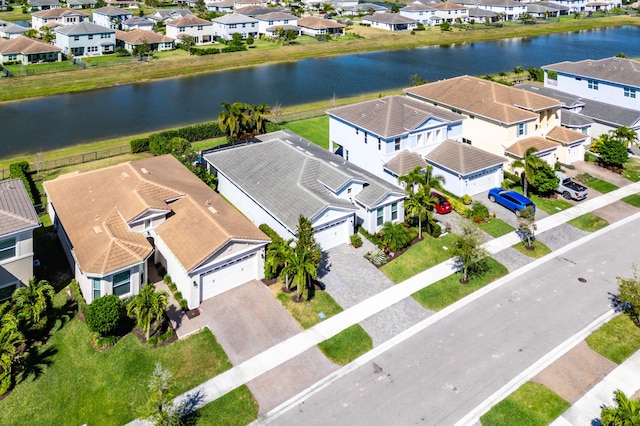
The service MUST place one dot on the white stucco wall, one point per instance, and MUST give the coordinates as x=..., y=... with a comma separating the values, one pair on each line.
x=607, y=92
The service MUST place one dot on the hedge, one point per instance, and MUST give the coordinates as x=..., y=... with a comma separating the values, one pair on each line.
x=203, y=52
x=20, y=170
x=197, y=132
x=77, y=295
x=270, y=232
x=229, y=49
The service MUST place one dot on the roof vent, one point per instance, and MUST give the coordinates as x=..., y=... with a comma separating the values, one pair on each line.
x=145, y=171
x=212, y=210
x=97, y=230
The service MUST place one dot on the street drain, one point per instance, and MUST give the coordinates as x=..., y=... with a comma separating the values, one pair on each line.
x=582, y=280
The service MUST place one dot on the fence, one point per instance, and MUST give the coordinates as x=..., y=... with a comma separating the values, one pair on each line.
x=301, y=115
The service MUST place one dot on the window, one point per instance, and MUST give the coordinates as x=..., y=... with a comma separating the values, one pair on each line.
x=394, y=211
x=346, y=154
x=13, y=57
x=232, y=25
x=91, y=49
x=522, y=129
x=122, y=283
x=365, y=137
x=357, y=130
x=467, y=141
x=379, y=144
x=348, y=190
x=7, y=291
x=90, y=36
x=181, y=29
x=96, y=288
x=379, y=216
x=270, y=22
x=76, y=38
x=286, y=21
x=244, y=25
x=104, y=35
x=7, y=248
x=396, y=145
x=629, y=92
x=199, y=27
x=592, y=84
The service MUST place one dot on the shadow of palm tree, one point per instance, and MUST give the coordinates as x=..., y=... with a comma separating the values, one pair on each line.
x=188, y=408
x=65, y=313
x=175, y=314
x=34, y=362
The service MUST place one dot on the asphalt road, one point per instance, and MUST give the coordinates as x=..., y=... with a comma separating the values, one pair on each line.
x=440, y=374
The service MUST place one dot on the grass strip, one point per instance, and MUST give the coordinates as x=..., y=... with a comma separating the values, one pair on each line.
x=633, y=199
x=496, y=227
x=314, y=129
x=309, y=312
x=589, y=222
x=532, y=404
x=238, y=407
x=595, y=183
x=347, y=345
x=617, y=340
x=539, y=249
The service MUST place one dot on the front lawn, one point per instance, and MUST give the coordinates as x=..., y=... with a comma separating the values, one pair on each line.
x=235, y=408
x=70, y=382
x=547, y=205
x=347, y=345
x=496, y=227
x=539, y=250
x=617, y=340
x=531, y=404
x=307, y=313
x=314, y=129
x=595, y=183
x=449, y=290
x=588, y=222
x=632, y=170
x=633, y=199
x=419, y=257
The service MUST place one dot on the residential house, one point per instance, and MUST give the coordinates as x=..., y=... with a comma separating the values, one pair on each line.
x=18, y=219
x=509, y=10
x=268, y=23
x=3, y=4
x=111, y=17
x=431, y=12
x=226, y=25
x=282, y=176
x=57, y=17
x=115, y=223
x=11, y=30
x=85, y=39
x=546, y=150
x=137, y=23
x=542, y=10
x=81, y=4
x=25, y=51
x=200, y=29
x=314, y=26
x=390, y=21
x=253, y=11
x=43, y=4
x=421, y=12
x=614, y=81
x=162, y=15
x=575, y=6
x=129, y=4
x=131, y=39
x=482, y=15
x=222, y=6
x=368, y=8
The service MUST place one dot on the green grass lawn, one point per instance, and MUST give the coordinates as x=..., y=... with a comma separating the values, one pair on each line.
x=632, y=170
x=347, y=345
x=443, y=293
x=588, y=222
x=547, y=205
x=73, y=383
x=539, y=249
x=595, y=183
x=633, y=199
x=307, y=312
x=532, y=404
x=617, y=340
x=314, y=129
x=496, y=227
x=235, y=408
x=23, y=70
x=419, y=257
x=208, y=143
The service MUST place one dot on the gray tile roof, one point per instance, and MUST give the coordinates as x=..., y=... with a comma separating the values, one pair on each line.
x=574, y=119
x=112, y=11
x=37, y=3
x=476, y=12
x=276, y=16
x=462, y=158
x=389, y=18
x=84, y=28
x=234, y=18
x=391, y=116
x=16, y=211
x=11, y=28
x=289, y=176
x=615, y=70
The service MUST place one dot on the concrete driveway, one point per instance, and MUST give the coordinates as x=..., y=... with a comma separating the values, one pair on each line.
x=248, y=320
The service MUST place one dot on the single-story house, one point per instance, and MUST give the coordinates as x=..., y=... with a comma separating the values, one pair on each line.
x=157, y=42
x=18, y=219
x=315, y=26
x=11, y=30
x=390, y=21
x=226, y=25
x=27, y=51
x=85, y=39
x=43, y=4
x=111, y=17
x=282, y=176
x=222, y=6
x=368, y=8
x=162, y=15
x=137, y=23
x=200, y=29
x=81, y=4
x=114, y=223
x=62, y=16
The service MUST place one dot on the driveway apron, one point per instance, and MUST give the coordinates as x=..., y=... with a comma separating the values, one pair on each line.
x=350, y=278
x=248, y=320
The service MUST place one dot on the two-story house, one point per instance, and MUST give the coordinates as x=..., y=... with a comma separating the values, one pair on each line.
x=54, y=17
x=18, y=219
x=85, y=39
x=115, y=223
x=226, y=26
x=200, y=29
x=508, y=10
x=111, y=17
x=269, y=22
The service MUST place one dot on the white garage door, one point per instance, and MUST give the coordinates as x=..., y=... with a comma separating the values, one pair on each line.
x=228, y=276
x=334, y=234
x=482, y=182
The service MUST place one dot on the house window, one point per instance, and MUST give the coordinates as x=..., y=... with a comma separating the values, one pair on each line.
x=122, y=283
x=467, y=141
x=232, y=25
x=76, y=38
x=396, y=145
x=181, y=29
x=244, y=25
x=13, y=57
x=357, y=130
x=379, y=144
x=394, y=211
x=199, y=27
x=630, y=92
x=147, y=224
x=7, y=248
x=522, y=129
x=592, y=84
x=346, y=154
x=270, y=22
x=365, y=137
x=96, y=288
x=7, y=291
x=90, y=36
x=379, y=216
x=286, y=21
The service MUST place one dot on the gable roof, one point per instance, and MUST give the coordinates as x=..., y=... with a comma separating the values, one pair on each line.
x=485, y=98
x=82, y=28
x=520, y=148
x=188, y=21
x=388, y=18
x=11, y=28
x=37, y=3
x=462, y=158
x=16, y=211
x=405, y=162
x=316, y=22
x=112, y=11
x=234, y=18
x=573, y=119
x=139, y=36
x=95, y=208
x=565, y=136
x=392, y=115
x=137, y=20
x=275, y=16
x=22, y=44
x=59, y=13
x=614, y=70
x=288, y=176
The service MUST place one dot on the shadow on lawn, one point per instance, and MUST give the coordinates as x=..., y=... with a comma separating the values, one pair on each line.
x=34, y=360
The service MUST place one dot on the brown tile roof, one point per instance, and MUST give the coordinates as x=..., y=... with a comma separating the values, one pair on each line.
x=16, y=211
x=22, y=44
x=519, y=148
x=405, y=162
x=58, y=13
x=188, y=21
x=565, y=136
x=139, y=36
x=462, y=158
x=317, y=23
x=94, y=208
x=484, y=98
x=392, y=115
x=389, y=18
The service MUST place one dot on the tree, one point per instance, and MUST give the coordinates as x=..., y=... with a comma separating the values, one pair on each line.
x=626, y=135
x=467, y=251
x=236, y=39
x=537, y=173
x=445, y=26
x=302, y=263
x=517, y=70
x=250, y=40
x=104, y=315
x=416, y=80
x=31, y=33
x=629, y=296
x=147, y=307
x=613, y=152
x=33, y=301
x=10, y=339
x=626, y=412
x=47, y=35
x=159, y=408
x=142, y=50
x=187, y=40
x=395, y=236
x=420, y=206
x=527, y=227
x=278, y=254
x=259, y=115
x=420, y=178
x=233, y=118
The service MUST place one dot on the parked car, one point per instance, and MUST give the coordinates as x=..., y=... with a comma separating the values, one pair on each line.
x=443, y=206
x=570, y=189
x=512, y=200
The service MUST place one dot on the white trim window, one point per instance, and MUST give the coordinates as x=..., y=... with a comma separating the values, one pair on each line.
x=8, y=248
x=629, y=92
x=96, y=288
x=7, y=291
x=380, y=216
x=122, y=283
x=394, y=211
x=522, y=129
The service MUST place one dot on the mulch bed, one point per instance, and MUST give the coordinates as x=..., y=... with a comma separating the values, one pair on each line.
x=192, y=313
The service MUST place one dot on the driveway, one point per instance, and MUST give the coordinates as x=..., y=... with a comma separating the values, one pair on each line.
x=248, y=320
x=350, y=279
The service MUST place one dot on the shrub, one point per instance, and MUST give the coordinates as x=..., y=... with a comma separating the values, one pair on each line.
x=177, y=295
x=435, y=231
x=166, y=279
x=153, y=341
x=166, y=335
x=511, y=176
x=231, y=48
x=139, y=145
x=478, y=212
x=183, y=304
x=458, y=207
x=269, y=232
x=466, y=199
x=104, y=314
x=203, y=51
x=373, y=238
x=77, y=295
x=376, y=256
x=173, y=287
x=356, y=240
x=395, y=236
x=20, y=170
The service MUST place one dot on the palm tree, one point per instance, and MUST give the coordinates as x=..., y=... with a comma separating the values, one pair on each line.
x=33, y=300
x=395, y=236
x=147, y=306
x=278, y=253
x=420, y=205
x=421, y=177
x=626, y=135
x=303, y=265
x=10, y=339
x=259, y=117
x=530, y=163
x=627, y=412
x=233, y=118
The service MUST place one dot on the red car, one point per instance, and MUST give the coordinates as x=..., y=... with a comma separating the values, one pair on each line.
x=442, y=206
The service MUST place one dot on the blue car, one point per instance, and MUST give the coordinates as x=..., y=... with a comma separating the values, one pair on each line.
x=512, y=200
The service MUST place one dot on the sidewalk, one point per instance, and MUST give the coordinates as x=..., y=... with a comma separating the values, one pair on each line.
x=294, y=346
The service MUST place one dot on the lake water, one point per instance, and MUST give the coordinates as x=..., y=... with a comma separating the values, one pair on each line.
x=64, y=120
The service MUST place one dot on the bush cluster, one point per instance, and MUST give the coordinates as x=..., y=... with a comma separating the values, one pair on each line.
x=269, y=232
x=373, y=238
x=233, y=48
x=176, y=294
x=20, y=170
x=197, y=132
x=203, y=51
x=356, y=240
x=104, y=315
x=77, y=295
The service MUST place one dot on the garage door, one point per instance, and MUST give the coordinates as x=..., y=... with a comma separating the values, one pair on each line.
x=333, y=234
x=228, y=276
x=482, y=182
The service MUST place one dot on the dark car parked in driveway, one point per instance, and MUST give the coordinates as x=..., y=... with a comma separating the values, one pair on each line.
x=512, y=200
